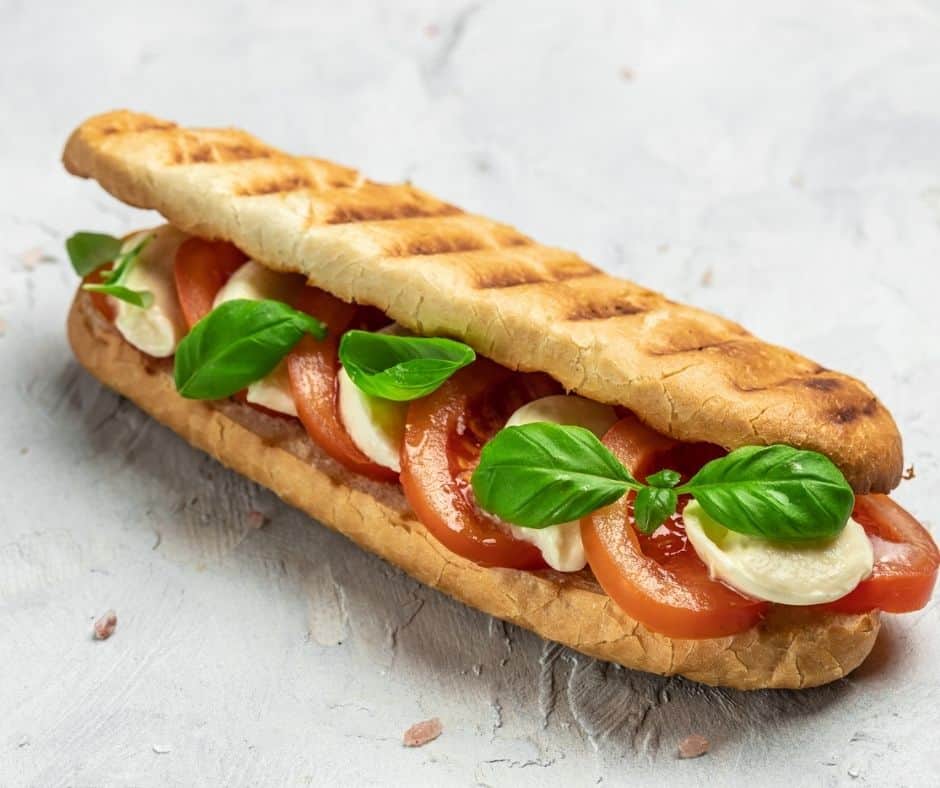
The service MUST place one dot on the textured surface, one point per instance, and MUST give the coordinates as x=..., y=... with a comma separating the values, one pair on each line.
x=439, y=271
x=780, y=169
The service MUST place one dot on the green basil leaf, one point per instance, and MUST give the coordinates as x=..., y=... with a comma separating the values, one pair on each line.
x=141, y=298
x=125, y=262
x=400, y=368
x=89, y=251
x=664, y=478
x=652, y=506
x=238, y=343
x=775, y=492
x=542, y=474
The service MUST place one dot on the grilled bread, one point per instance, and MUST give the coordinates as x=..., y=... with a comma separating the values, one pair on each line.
x=440, y=271
x=792, y=647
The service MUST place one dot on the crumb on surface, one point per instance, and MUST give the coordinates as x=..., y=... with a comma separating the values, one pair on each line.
x=909, y=473
x=693, y=746
x=257, y=519
x=161, y=749
x=708, y=277
x=105, y=626
x=626, y=74
x=423, y=732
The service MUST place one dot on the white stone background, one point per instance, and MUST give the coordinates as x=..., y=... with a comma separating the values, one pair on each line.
x=778, y=163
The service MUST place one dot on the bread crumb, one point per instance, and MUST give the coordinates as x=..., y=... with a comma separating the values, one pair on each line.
x=104, y=626
x=626, y=74
x=161, y=749
x=24, y=450
x=707, y=278
x=432, y=31
x=909, y=473
x=421, y=733
x=31, y=258
x=257, y=519
x=693, y=746
x=662, y=248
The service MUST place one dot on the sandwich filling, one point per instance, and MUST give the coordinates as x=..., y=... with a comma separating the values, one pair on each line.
x=504, y=467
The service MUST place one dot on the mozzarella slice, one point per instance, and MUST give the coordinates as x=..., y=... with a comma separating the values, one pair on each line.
x=156, y=330
x=782, y=572
x=273, y=391
x=254, y=282
x=376, y=426
x=561, y=544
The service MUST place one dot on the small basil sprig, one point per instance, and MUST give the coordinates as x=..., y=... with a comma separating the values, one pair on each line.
x=89, y=251
x=237, y=343
x=400, y=368
x=537, y=475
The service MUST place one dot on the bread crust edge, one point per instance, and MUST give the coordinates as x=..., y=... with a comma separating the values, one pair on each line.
x=793, y=648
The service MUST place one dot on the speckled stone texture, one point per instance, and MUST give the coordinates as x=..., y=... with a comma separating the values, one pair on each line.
x=780, y=167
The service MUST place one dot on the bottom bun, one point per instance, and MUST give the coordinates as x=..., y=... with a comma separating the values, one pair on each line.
x=791, y=648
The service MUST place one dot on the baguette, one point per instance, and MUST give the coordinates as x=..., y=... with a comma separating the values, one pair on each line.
x=439, y=271
x=791, y=648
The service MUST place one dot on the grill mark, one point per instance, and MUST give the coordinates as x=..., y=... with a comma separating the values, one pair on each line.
x=501, y=280
x=420, y=247
x=140, y=126
x=455, y=241
x=605, y=310
x=849, y=413
x=288, y=183
x=351, y=214
x=194, y=152
x=823, y=384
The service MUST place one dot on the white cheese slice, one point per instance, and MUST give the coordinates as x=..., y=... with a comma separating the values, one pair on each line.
x=561, y=544
x=783, y=572
x=376, y=425
x=254, y=282
x=156, y=330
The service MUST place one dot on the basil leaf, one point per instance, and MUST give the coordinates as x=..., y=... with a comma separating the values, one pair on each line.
x=89, y=251
x=141, y=298
x=401, y=368
x=238, y=343
x=111, y=281
x=652, y=506
x=664, y=478
x=775, y=492
x=542, y=474
x=125, y=262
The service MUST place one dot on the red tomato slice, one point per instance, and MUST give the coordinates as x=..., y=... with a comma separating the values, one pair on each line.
x=200, y=270
x=100, y=301
x=313, y=366
x=659, y=579
x=906, y=560
x=444, y=434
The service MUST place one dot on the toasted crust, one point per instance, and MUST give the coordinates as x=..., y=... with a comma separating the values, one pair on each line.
x=792, y=648
x=437, y=270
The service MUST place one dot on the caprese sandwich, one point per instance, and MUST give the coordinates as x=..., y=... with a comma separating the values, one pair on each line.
x=640, y=480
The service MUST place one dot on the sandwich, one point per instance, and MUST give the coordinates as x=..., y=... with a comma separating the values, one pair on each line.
x=640, y=480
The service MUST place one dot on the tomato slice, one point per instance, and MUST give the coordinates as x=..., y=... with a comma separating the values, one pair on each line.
x=659, y=579
x=906, y=560
x=444, y=434
x=100, y=301
x=313, y=366
x=200, y=270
